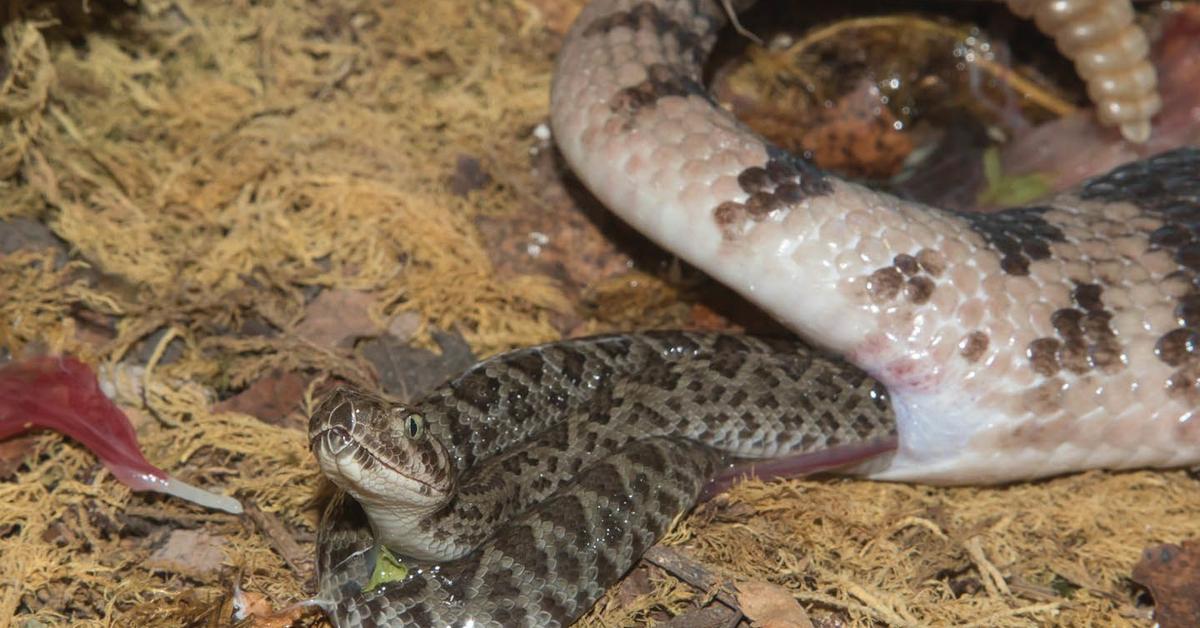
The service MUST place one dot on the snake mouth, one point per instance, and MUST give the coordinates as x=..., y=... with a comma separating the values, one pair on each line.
x=353, y=458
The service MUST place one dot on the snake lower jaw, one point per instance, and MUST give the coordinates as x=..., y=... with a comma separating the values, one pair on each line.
x=354, y=468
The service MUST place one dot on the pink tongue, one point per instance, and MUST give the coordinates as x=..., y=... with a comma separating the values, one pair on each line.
x=799, y=465
x=64, y=395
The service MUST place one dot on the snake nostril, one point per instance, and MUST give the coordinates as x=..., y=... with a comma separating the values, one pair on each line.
x=337, y=439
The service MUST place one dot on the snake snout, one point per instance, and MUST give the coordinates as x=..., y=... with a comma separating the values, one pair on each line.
x=336, y=411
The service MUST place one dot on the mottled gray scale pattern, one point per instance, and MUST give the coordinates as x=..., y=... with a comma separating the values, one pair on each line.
x=1020, y=234
x=543, y=568
x=634, y=402
x=1167, y=187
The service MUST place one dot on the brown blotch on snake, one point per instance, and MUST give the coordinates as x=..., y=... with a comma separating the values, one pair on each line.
x=783, y=183
x=918, y=289
x=931, y=262
x=973, y=345
x=1177, y=346
x=689, y=38
x=1085, y=339
x=884, y=284
x=662, y=79
x=906, y=264
x=1185, y=382
x=1045, y=398
x=1043, y=355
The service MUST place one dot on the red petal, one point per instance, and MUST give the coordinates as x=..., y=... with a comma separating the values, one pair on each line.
x=64, y=395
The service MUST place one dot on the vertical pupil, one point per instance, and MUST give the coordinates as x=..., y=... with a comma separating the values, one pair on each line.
x=412, y=427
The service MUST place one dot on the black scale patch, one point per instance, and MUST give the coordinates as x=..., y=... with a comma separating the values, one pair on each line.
x=1021, y=235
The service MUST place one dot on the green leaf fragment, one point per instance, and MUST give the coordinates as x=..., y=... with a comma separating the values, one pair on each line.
x=1006, y=190
x=388, y=569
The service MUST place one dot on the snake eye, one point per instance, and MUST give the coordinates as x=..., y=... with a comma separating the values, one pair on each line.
x=416, y=426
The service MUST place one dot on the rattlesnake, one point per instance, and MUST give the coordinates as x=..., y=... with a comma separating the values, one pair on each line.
x=589, y=446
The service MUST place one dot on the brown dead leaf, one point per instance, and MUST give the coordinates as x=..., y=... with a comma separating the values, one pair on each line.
x=191, y=552
x=337, y=317
x=859, y=136
x=716, y=616
x=409, y=372
x=12, y=454
x=704, y=317
x=1172, y=574
x=567, y=234
x=404, y=326
x=272, y=398
x=262, y=614
x=93, y=328
x=557, y=15
x=469, y=176
x=687, y=569
x=635, y=585
x=854, y=132
x=771, y=606
x=24, y=233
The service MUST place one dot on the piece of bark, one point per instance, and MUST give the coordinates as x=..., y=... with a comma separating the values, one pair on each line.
x=1172, y=574
x=771, y=606
x=190, y=552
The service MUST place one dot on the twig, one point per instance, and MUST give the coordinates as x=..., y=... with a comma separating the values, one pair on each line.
x=695, y=574
x=156, y=513
x=994, y=618
x=993, y=580
x=884, y=615
x=710, y=617
x=159, y=350
x=281, y=540
x=1027, y=88
x=731, y=12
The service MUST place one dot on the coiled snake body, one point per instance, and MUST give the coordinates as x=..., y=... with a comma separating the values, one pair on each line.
x=1024, y=343
x=599, y=442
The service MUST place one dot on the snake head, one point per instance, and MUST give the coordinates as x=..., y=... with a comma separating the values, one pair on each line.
x=380, y=452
